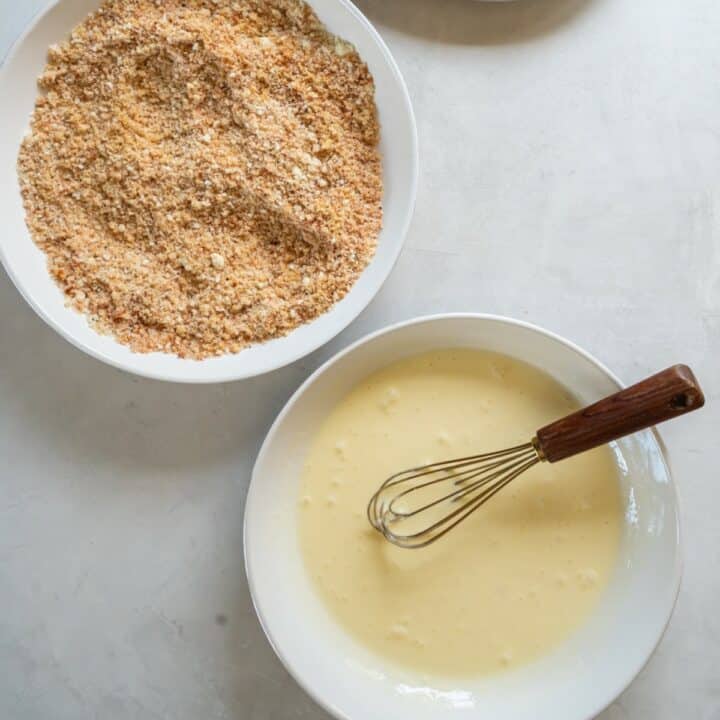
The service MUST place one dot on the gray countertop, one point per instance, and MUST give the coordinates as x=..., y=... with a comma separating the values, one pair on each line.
x=570, y=176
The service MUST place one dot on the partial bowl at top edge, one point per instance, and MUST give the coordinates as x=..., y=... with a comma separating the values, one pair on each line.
x=26, y=264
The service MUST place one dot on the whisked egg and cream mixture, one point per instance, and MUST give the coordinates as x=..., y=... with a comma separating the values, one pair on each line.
x=502, y=588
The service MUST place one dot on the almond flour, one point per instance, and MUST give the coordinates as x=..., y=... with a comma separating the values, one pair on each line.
x=203, y=174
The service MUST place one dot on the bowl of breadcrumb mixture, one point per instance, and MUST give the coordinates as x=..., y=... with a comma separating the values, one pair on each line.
x=205, y=189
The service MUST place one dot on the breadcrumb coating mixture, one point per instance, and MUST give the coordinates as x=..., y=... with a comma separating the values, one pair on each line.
x=203, y=174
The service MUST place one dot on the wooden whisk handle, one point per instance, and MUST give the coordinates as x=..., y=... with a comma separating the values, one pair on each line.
x=670, y=393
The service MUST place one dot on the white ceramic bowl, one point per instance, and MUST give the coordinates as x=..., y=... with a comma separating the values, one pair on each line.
x=25, y=263
x=576, y=681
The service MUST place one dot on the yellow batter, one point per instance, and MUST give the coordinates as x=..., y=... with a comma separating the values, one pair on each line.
x=510, y=582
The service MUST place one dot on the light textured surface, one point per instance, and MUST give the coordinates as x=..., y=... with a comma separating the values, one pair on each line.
x=570, y=173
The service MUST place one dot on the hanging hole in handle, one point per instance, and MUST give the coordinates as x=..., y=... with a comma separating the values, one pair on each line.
x=682, y=400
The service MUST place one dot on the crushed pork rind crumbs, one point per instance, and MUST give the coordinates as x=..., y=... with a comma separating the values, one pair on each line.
x=203, y=174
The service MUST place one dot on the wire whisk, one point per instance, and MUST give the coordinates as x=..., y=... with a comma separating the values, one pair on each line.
x=413, y=508
x=462, y=486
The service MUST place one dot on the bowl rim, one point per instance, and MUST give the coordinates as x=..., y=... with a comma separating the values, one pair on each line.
x=370, y=337
x=291, y=356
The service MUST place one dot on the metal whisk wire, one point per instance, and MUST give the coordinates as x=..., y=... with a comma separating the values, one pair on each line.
x=471, y=482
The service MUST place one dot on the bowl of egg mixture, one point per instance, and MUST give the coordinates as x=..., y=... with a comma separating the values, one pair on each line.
x=545, y=603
